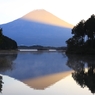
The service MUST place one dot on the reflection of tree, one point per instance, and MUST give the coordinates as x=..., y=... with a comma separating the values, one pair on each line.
x=1, y=83
x=6, y=61
x=82, y=76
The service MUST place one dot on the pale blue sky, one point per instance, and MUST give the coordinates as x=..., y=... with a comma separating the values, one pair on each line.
x=71, y=11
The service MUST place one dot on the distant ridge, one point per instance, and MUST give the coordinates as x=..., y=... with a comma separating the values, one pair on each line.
x=46, y=17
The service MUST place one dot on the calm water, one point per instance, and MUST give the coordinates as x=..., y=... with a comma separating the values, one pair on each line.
x=46, y=73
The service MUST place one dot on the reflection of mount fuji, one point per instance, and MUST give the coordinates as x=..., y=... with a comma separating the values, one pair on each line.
x=34, y=65
x=46, y=81
x=35, y=68
x=38, y=28
x=38, y=84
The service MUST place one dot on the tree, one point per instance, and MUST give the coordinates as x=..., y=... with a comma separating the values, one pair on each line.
x=90, y=27
x=1, y=35
x=79, y=31
x=7, y=43
x=78, y=43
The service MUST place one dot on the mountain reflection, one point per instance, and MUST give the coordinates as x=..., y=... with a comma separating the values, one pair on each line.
x=84, y=77
x=6, y=61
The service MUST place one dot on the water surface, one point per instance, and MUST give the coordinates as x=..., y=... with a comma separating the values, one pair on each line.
x=46, y=73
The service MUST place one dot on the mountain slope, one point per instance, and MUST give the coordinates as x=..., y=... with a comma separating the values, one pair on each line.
x=30, y=32
x=46, y=17
x=33, y=33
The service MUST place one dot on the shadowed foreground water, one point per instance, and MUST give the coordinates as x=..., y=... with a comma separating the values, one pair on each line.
x=46, y=73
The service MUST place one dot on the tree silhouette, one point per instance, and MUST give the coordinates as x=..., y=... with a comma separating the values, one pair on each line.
x=83, y=39
x=1, y=32
x=7, y=43
x=78, y=30
x=90, y=27
x=1, y=35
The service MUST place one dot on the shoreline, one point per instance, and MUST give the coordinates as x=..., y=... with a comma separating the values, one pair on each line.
x=30, y=50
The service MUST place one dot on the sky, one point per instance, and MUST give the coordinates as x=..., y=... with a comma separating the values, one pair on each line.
x=72, y=11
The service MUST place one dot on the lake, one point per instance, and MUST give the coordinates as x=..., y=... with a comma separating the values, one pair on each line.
x=46, y=73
